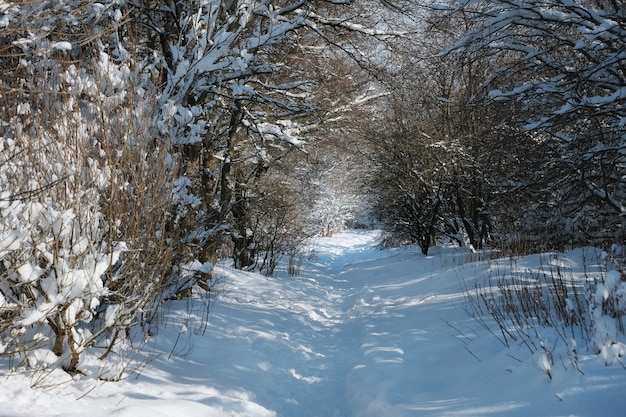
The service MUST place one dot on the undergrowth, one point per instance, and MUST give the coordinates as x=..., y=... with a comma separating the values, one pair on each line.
x=556, y=307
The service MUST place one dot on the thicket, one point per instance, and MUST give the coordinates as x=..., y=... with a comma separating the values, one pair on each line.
x=86, y=192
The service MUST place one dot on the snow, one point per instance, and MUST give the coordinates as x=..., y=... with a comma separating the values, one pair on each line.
x=361, y=332
x=61, y=46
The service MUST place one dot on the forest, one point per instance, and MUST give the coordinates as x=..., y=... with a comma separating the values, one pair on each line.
x=143, y=141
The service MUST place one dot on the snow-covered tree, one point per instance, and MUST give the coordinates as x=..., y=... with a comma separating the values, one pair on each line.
x=429, y=178
x=233, y=99
x=563, y=62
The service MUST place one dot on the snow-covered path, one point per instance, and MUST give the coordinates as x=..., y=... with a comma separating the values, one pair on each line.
x=361, y=332
x=309, y=355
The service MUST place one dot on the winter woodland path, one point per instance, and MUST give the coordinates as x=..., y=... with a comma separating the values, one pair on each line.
x=309, y=354
x=361, y=332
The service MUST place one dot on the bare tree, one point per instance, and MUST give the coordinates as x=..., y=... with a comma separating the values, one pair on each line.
x=428, y=150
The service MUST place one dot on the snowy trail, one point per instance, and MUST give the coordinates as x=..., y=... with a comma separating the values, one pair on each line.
x=372, y=333
x=322, y=330
x=343, y=331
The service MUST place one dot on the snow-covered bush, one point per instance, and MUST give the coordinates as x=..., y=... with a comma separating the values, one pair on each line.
x=85, y=194
x=55, y=248
x=52, y=279
x=279, y=226
x=608, y=314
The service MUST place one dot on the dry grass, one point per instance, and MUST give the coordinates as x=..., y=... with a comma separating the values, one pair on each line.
x=515, y=305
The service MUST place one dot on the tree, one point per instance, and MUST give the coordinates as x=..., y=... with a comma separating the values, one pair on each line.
x=563, y=62
x=236, y=94
x=429, y=178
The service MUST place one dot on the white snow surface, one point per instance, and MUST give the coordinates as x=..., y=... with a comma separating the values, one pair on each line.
x=361, y=332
